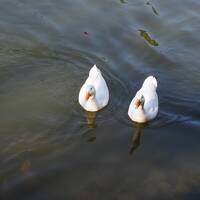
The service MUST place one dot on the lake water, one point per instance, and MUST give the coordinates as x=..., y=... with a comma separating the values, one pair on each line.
x=50, y=148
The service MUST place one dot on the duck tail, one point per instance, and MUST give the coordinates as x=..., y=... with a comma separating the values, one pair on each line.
x=94, y=72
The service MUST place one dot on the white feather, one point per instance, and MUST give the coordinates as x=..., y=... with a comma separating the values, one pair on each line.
x=101, y=98
x=150, y=108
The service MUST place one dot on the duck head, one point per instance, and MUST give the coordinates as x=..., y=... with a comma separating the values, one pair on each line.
x=150, y=82
x=90, y=92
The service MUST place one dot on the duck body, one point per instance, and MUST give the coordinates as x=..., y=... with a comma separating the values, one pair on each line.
x=94, y=93
x=144, y=106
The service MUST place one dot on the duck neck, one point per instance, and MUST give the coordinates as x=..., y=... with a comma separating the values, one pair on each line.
x=92, y=102
x=141, y=108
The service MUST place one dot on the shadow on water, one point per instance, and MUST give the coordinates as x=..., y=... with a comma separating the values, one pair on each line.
x=136, y=138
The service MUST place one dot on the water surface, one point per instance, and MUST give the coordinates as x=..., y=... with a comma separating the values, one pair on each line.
x=50, y=148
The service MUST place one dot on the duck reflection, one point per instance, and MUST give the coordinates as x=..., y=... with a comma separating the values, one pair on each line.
x=91, y=124
x=135, y=142
x=91, y=119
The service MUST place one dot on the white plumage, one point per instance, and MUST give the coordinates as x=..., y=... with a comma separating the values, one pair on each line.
x=94, y=94
x=144, y=106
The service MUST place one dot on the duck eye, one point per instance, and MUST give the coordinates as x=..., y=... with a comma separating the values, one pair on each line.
x=142, y=98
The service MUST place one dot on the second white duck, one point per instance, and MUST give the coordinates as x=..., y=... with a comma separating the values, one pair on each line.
x=94, y=94
x=144, y=106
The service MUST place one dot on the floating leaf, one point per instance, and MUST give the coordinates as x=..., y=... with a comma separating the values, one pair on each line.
x=123, y=1
x=152, y=7
x=146, y=36
x=154, y=10
x=148, y=3
x=85, y=33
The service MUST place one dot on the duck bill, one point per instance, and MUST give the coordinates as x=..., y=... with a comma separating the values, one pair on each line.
x=137, y=103
x=87, y=96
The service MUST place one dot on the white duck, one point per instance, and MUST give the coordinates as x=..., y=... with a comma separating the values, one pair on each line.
x=94, y=94
x=144, y=106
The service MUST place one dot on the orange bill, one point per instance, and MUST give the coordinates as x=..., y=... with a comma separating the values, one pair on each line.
x=137, y=103
x=87, y=96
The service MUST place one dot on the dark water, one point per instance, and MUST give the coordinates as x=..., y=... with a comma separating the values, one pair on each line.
x=50, y=148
